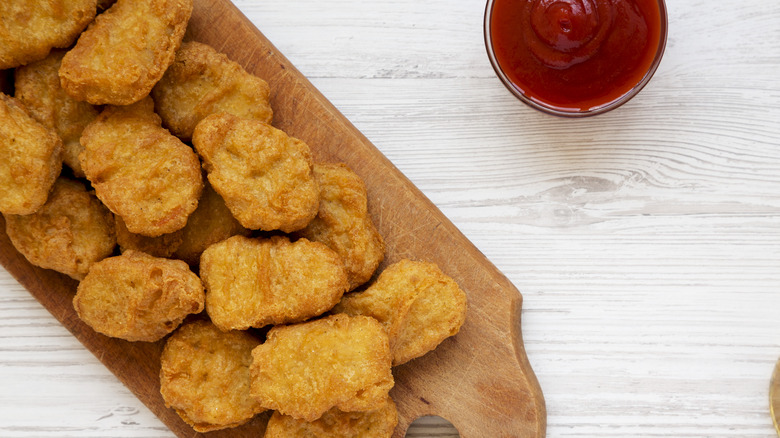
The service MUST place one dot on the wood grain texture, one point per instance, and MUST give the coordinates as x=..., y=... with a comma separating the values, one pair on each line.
x=646, y=242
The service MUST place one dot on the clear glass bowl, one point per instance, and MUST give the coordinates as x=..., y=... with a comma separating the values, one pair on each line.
x=549, y=109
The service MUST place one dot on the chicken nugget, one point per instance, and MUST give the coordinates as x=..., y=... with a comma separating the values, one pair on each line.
x=160, y=246
x=204, y=376
x=264, y=176
x=210, y=223
x=138, y=297
x=303, y=370
x=140, y=171
x=125, y=51
x=30, y=28
x=30, y=159
x=343, y=224
x=417, y=303
x=337, y=424
x=202, y=81
x=38, y=88
x=256, y=282
x=69, y=233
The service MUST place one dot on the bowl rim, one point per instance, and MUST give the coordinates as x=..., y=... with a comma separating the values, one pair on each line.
x=663, y=35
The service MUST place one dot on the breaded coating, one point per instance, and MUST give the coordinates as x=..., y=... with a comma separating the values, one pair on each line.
x=138, y=297
x=438, y=313
x=343, y=223
x=204, y=376
x=125, y=51
x=69, y=233
x=38, y=88
x=256, y=282
x=264, y=176
x=337, y=424
x=30, y=159
x=30, y=28
x=304, y=370
x=160, y=246
x=140, y=171
x=417, y=303
x=210, y=223
x=202, y=81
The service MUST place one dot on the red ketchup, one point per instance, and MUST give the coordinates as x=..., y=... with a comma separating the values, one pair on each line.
x=576, y=55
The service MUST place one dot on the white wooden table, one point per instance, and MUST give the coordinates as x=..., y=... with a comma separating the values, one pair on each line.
x=646, y=241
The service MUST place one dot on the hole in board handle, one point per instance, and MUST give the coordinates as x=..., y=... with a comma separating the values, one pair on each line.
x=430, y=426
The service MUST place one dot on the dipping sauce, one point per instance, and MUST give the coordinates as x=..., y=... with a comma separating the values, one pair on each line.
x=575, y=56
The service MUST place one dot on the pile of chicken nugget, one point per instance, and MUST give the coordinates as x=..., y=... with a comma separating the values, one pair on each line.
x=170, y=155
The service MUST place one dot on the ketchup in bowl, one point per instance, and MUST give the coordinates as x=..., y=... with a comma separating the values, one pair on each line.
x=575, y=57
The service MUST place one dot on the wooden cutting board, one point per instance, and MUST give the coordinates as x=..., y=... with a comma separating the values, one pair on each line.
x=480, y=379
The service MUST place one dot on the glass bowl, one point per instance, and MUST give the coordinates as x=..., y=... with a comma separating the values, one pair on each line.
x=623, y=93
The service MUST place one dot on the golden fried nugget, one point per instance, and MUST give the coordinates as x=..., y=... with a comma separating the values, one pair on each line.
x=264, y=176
x=202, y=81
x=125, y=51
x=343, y=224
x=69, y=233
x=418, y=305
x=205, y=376
x=160, y=246
x=210, y=223
x=337, y=424
x=30, y=28
x=30, y=159
x=303, y=370
x=138, y=297
x=38, y=87
x=256, y=282
x=140, y=171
